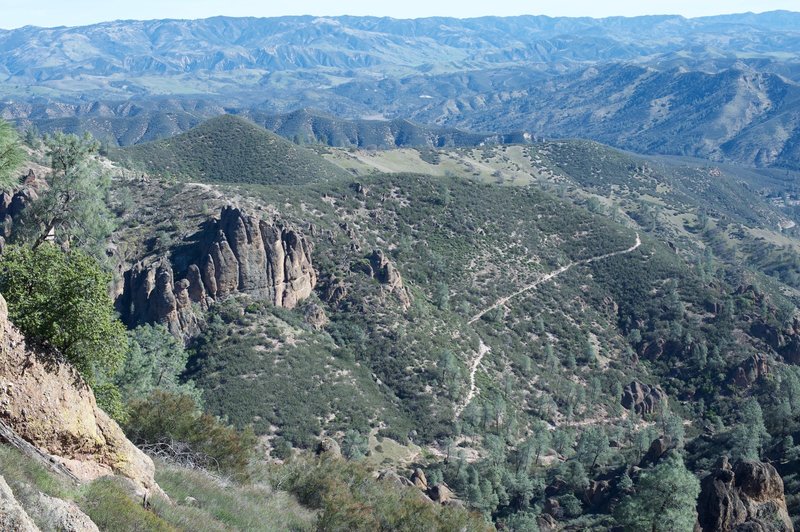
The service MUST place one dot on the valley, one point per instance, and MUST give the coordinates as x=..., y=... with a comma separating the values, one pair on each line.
x=358, y=273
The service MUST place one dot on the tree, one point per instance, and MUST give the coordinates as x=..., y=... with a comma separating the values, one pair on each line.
x=593, y=447
x=354, y=445
x=156, y=360
x=750, y=434
x=664, y=499
x=72, y=210
x=62, y=301
x=11, y=154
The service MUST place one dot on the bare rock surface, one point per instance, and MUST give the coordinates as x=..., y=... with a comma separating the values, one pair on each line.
x=46, y=403
x=747, y=497
x=237, y=254
x=12, y=515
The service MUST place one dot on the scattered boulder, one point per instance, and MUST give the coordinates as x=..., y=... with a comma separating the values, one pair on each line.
x=327, y=447
x=12, y=515
x=46, y=403
x=749, y=497
x=642, y=398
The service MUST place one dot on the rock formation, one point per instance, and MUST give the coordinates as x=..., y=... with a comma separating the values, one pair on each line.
x=751, y=370
x=642, y=398
x=12, y=515
x=386, y=273
x=46, y=403
x=747, y=498
x=238, y=254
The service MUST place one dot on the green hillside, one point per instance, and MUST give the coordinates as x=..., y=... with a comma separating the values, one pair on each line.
x=228, y=149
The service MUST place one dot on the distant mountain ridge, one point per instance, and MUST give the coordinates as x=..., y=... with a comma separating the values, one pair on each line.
x=219, y=54
x=724, y=88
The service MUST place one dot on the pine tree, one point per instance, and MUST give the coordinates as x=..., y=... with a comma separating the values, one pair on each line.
x=664, y=499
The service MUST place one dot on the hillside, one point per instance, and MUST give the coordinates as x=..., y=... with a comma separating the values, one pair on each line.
x=231, y=150
x=455, y=313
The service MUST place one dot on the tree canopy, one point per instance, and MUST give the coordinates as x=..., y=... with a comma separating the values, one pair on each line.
x=664, y=499
x=72, y=210
x=11, y=154
x=61, y=299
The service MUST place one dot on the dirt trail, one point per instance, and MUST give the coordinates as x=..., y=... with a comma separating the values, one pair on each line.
x=483, y=349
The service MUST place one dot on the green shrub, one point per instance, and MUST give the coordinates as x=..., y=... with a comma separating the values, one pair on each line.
x=61, y=300
x=171, y=425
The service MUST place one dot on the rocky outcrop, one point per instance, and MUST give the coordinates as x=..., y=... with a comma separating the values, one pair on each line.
x=46, y=403
x=237, y=254
x=751, y=370
x=657, y=450
x=642, y=398
x=387, y=274
x=63, y=516
x=12, y=515
x=747, y=498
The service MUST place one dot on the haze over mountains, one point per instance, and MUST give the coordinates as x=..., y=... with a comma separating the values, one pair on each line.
x=630, y=82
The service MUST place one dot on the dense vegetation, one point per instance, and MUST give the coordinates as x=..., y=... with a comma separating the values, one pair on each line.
x=387, y=370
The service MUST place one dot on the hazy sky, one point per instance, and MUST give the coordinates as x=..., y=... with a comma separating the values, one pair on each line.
x=16, y=13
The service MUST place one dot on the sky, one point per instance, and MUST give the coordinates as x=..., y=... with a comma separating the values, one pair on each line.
x=17, y=13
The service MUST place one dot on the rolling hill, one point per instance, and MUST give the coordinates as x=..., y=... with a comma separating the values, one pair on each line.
x=229, y=149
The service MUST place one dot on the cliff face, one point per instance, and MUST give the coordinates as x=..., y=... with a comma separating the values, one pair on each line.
x=46, y=403
x=237, y=254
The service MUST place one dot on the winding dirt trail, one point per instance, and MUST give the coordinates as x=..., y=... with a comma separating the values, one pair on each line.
x=483, y=349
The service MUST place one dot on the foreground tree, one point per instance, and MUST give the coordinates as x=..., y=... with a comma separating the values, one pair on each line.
x=11, y=154
x=155, y=360
x=72, y=210
x=61, y=300
x=664, y=499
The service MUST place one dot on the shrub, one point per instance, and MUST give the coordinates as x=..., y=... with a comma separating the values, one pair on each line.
x=171, y=425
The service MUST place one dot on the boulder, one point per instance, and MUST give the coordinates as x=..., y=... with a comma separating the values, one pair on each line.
x=658, y=448
x=316, y=317
x=12, y=515
x=46, y=403
x=441, y=493
x=64, y=516
x=327, y=447
x=747, y=497
x=419, y=480
x=392, y=477
x=643, y=398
